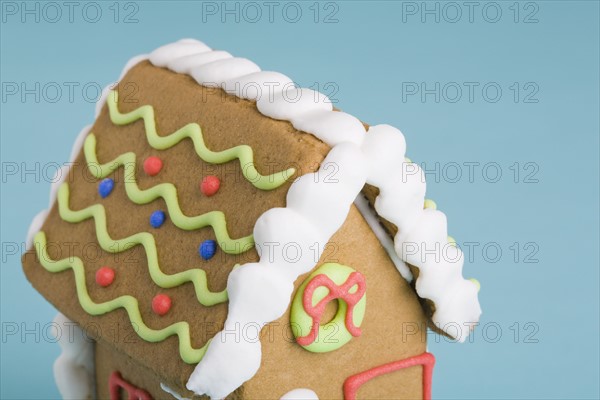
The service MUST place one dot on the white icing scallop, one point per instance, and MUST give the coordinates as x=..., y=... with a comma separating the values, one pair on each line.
x=384, y=238
x=331, y=127
x=292, y=103
x=256, y=85
x=218, y=72
x=184, y=65
x=300, y=394
x=164, y=54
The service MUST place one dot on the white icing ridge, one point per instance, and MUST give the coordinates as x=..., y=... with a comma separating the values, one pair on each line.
x=164, y=55
x=300, y=394
x=293, y=103
x=265, y=296
x=216, y=73
x=331, y=127
x=185, y=64
x=172, y=392
x=36, y=224
x=384, y=238
x=74, y=368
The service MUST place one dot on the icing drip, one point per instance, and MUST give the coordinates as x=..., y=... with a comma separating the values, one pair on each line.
x=300, y=394
x=166, y=191
x=74, y=368
x=129, y=303
x=261, y=291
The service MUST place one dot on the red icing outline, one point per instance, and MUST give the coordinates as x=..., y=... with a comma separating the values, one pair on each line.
x=427, y=360
x=116, y=381
x=335, y=292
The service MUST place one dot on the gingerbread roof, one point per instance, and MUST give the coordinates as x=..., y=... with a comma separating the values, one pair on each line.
x=161, y=233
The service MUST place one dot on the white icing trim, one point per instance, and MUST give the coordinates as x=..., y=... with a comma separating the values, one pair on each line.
x=74, y=368
x=216, y=73
x=258, y=84
x=264, y=297
x=331, y=127
x=172, y=392
x=185, y=64
x=293, y=103
x=300, y=394
x=162, y=56
x=384, y=238
x=59, y=177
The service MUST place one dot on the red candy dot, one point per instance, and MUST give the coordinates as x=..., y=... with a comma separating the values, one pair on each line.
x=152, y=165
x=105, y=276
x=161, y=304
x=210, y=185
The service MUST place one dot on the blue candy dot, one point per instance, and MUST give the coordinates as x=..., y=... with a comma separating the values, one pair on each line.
x=105, y=187
x=207, y=249
x=157, y=219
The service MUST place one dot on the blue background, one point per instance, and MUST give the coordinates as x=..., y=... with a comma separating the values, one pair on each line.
x=371, y=54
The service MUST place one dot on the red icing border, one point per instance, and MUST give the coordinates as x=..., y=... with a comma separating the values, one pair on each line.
x=427, y=360
x=116, y=381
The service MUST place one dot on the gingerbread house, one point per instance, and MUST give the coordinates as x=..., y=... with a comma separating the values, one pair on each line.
x=222, y=232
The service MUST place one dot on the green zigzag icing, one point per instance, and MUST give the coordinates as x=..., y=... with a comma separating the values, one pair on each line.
x=195, y=275
x=129, y=303
x=192, y=130
x=215, y=219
